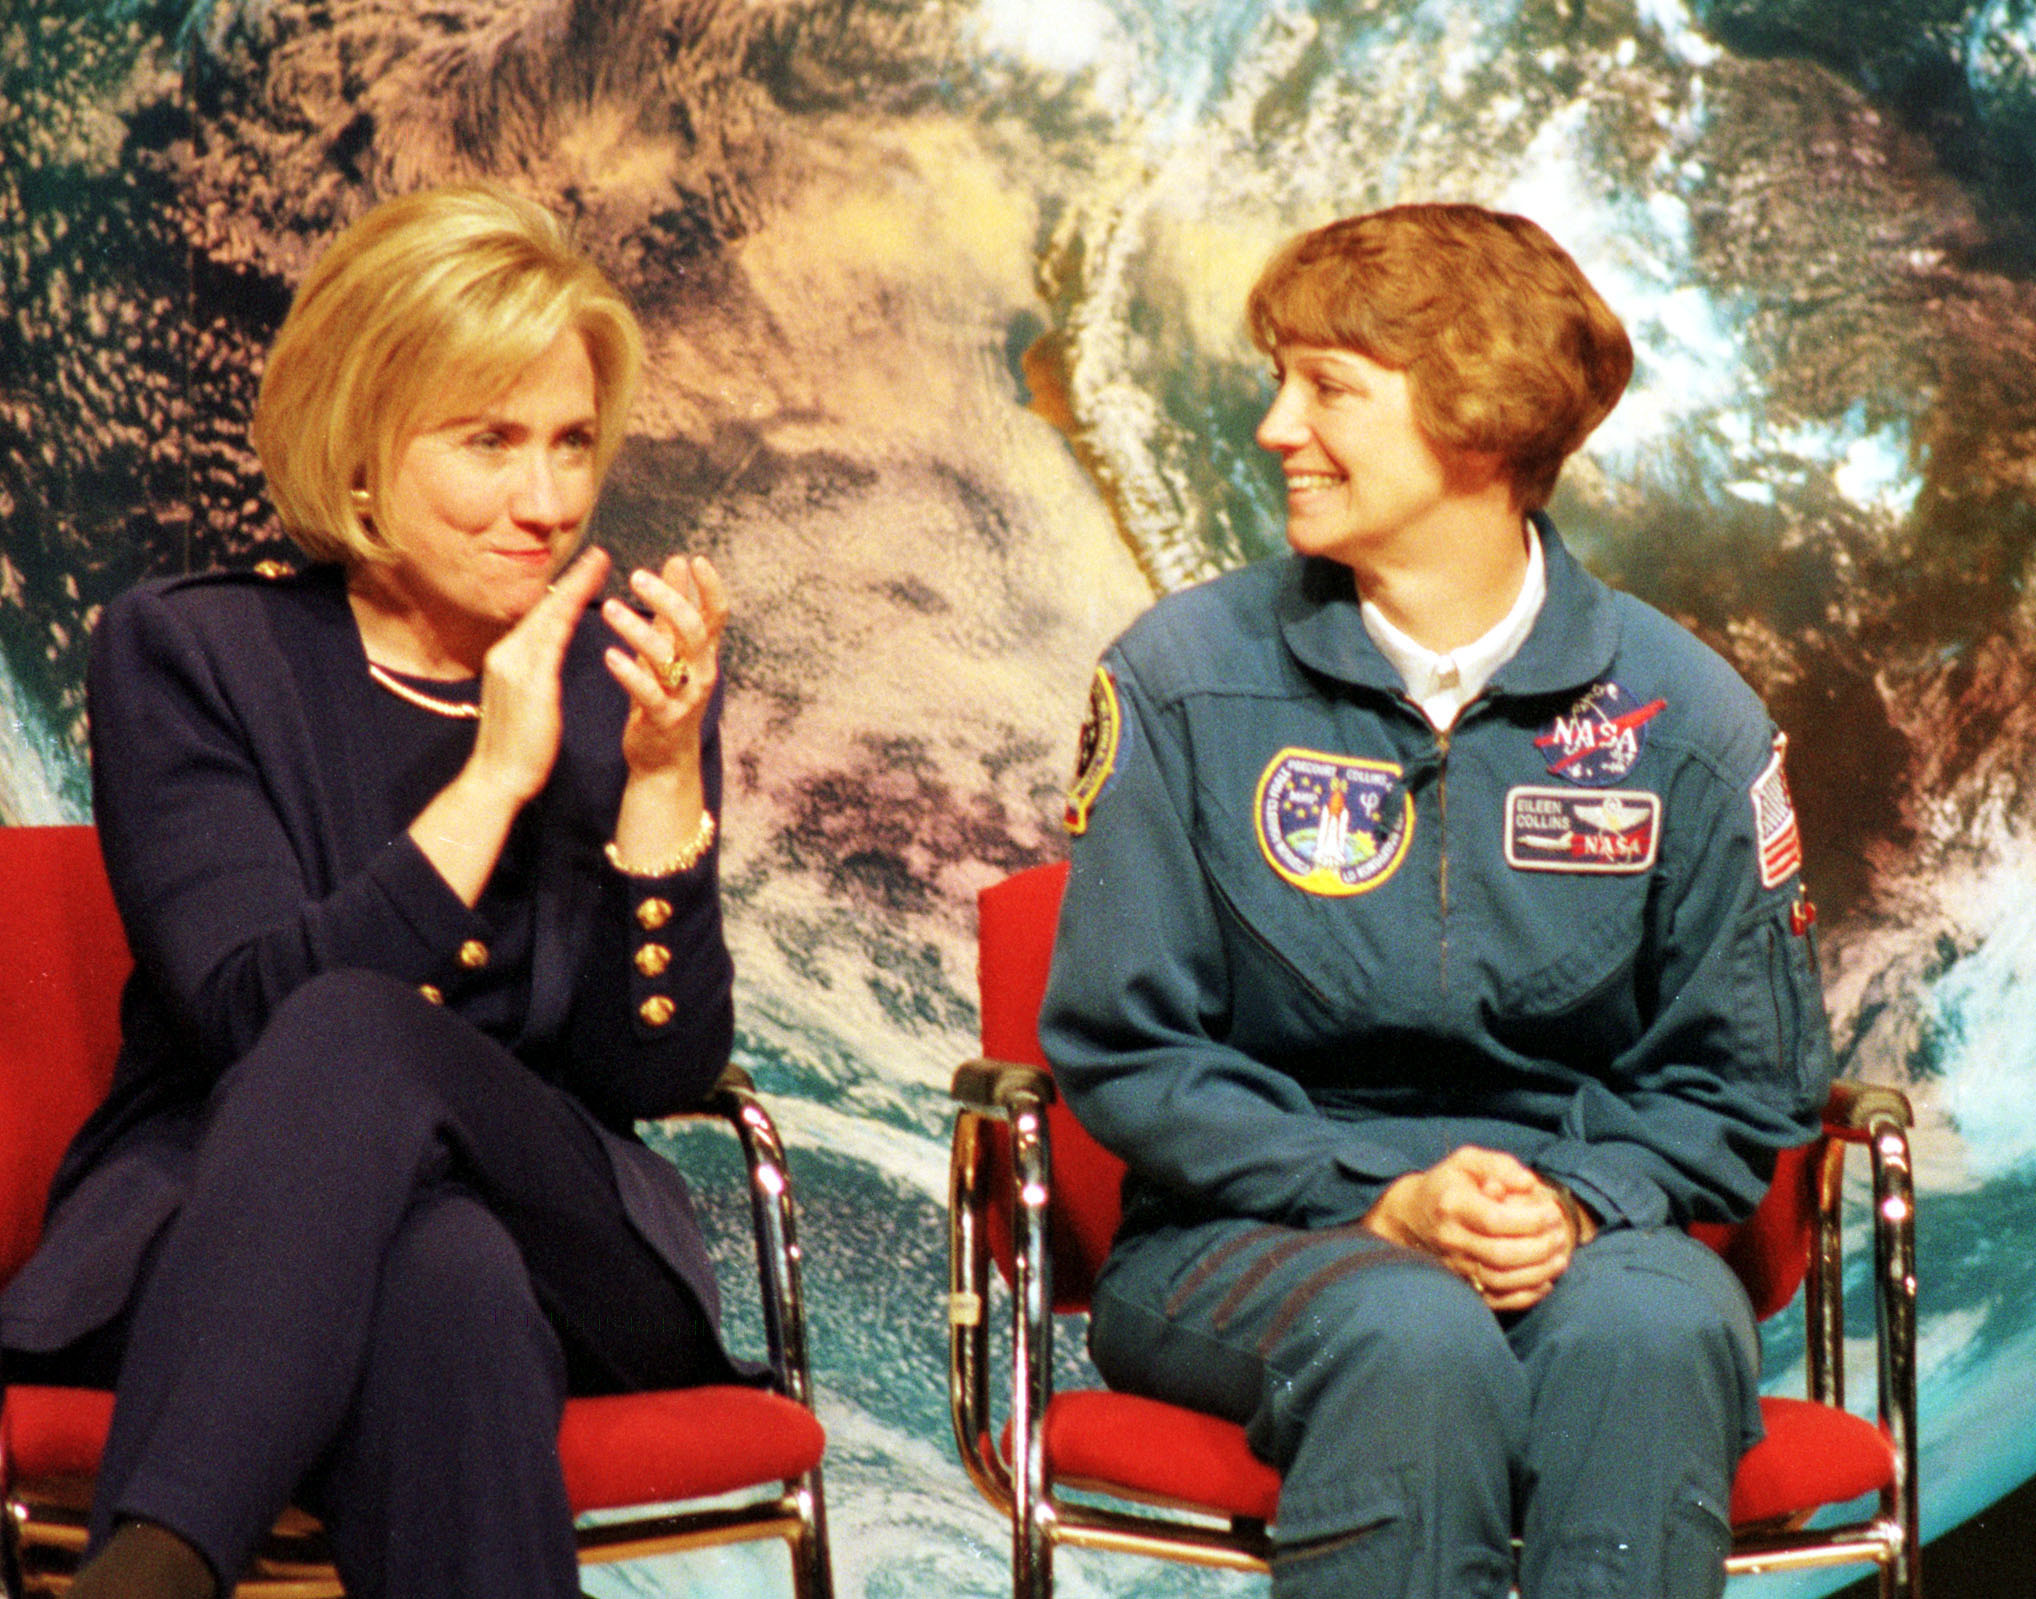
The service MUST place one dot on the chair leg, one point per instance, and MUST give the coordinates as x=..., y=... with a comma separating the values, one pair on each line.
x=10, y=1529
x=812, y=1565
x=11, y=1583
x=1031, y=1558
x=809, y=1569
x=10, y=1558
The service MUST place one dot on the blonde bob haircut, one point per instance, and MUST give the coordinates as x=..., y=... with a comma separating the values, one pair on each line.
x=1508, y=350
x=424, y=310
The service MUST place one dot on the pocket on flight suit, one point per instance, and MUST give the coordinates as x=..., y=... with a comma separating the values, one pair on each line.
x=1695, y=1540
x=1580, y=1006
x=1785, y=1037
x=1385, y=1554
x=1693, y=1554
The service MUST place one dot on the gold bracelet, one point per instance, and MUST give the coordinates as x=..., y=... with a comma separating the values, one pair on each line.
x=688, y=856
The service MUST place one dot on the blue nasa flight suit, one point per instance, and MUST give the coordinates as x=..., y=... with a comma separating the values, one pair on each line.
x=1310, y=945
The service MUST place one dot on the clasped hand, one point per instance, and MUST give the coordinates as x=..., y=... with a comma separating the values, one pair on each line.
x=1486, y=1217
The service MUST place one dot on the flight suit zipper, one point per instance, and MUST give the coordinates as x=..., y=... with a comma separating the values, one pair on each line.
x=1442, y=844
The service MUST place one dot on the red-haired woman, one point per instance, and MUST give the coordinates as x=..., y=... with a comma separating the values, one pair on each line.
x=1434, y=952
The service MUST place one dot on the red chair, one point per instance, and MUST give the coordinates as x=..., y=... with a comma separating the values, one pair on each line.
x=59, y=1029
x=1031, y=1190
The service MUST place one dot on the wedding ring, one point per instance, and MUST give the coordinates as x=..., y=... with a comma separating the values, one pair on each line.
x=674, y=674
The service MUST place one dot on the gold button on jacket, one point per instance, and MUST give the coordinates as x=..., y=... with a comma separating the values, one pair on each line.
x=657, y=1010
x=652, y=914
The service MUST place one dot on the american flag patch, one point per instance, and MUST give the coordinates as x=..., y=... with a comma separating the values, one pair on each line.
x=1774, y=821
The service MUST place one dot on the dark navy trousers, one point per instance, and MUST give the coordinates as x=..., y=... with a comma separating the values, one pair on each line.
x=399, y=1252
x=1419, y=1434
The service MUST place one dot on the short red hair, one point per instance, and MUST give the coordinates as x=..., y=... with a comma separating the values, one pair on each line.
x=1508, y=350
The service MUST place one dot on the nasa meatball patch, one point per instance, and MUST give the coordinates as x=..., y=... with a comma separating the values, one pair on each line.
x=1582, y=830
x=1598, y=740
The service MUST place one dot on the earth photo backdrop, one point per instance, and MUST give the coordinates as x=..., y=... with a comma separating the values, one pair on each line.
x=949, y=378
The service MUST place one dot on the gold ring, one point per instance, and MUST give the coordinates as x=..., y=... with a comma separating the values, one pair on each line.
x=674, y=674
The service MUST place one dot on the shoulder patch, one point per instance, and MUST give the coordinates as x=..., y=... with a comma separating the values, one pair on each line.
x=1582, y=830
x=1597, y=740
x=1774, y=821
x=1102, y=741
x=1333, y=824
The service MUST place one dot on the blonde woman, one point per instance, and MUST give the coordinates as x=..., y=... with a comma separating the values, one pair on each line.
x=1434, y=951
x=415, y=847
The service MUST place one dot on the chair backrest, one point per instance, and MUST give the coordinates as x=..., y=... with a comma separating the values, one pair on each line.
x=1770, y=1250
x=1014, y=949
x=65, y=959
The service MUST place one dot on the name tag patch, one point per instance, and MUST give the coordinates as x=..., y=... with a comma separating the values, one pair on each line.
x=1582, y=830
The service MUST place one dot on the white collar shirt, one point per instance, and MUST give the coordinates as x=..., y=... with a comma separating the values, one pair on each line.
x=1443, y=684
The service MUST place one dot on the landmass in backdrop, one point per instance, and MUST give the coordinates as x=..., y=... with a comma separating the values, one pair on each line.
x=949, y=377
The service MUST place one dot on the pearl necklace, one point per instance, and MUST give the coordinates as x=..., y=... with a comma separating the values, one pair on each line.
x=458, y=709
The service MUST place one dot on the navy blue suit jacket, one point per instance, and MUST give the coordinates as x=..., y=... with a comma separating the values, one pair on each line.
x=236, y=805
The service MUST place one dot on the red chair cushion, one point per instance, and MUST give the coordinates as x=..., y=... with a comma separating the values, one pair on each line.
x=56, y=1432
x=1812, y=1455
x=683, y=1443
x=625, y=1449
x=1145, y=1449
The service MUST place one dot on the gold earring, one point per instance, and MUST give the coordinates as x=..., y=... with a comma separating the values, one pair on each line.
x=363, y=501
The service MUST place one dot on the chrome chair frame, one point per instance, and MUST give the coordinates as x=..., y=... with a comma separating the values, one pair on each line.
x=1043, y=1518
x=43, y=1528
x=1878, y=1118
